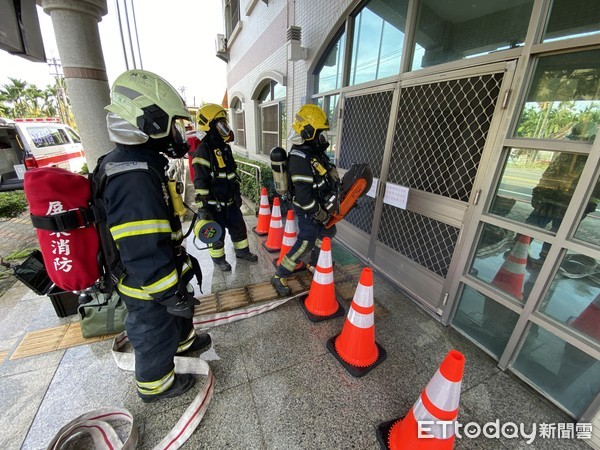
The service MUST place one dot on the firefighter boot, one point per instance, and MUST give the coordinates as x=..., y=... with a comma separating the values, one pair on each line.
x=280, y=285
x=222, y=264
x=201, y=342
x=245, y=254
x=182, y=383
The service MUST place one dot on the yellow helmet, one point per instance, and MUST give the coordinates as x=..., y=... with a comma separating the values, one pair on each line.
x=207, y=113
x=147, y=101
x=310, y=119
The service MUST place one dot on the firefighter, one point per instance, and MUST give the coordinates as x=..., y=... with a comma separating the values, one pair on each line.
x=313, y=179
x=143, y=120
x=217, y=184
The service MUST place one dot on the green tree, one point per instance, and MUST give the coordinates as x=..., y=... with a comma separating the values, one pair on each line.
x=13, y=93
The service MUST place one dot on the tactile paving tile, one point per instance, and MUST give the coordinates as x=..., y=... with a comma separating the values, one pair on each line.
x=73, y=337
x=3, y=356
x=57, y=338
x=38, y=342
x=232, y=299
x=65, y=336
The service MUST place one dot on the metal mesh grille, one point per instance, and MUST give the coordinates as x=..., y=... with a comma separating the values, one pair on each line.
x=363, y=141
x=365, y=129
x=440, y=133
x=361, y=216
x=422, y=239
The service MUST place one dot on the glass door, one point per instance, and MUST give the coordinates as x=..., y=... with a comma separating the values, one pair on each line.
x=529, y=293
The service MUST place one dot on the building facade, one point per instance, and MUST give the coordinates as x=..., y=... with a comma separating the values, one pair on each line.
x=486, y=113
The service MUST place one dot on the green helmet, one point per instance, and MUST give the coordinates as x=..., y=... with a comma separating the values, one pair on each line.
x=147, y=102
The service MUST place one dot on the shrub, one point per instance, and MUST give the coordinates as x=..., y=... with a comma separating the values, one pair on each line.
x=12, y=204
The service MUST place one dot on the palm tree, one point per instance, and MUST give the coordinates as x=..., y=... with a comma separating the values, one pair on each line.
x=14, y=94
x=50, y=105
x=34, y=98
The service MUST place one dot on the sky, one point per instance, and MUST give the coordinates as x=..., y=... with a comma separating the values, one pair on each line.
x=176, y=42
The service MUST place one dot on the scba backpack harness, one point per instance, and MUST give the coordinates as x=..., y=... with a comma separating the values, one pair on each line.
x=68, y=212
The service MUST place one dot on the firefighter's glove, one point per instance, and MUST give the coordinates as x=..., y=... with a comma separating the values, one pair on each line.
x=321, y=216
x=181, y=305
x=334, y=176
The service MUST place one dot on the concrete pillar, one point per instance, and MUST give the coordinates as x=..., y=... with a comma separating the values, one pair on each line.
x=76, y=29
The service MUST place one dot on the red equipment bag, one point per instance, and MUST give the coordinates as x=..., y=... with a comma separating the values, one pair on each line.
x=59, y=203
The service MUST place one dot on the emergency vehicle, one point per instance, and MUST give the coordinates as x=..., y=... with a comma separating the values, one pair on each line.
x=36, y=142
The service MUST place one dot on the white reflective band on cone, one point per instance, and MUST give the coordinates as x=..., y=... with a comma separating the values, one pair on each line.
x=264, y=210
x=324, y=260
x=432, y=427
x=288, y=241
x=444, y=394
x=363, y=296
x=323, y=278
x=276, y=223
x=360, y=320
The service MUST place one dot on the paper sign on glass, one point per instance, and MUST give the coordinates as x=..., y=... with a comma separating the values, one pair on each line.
x=396, y=195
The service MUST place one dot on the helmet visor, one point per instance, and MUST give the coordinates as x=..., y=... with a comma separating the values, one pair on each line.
x=223, y=128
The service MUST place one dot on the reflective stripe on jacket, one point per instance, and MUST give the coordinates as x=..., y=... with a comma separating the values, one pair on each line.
x=142, y=222
x=215, y=169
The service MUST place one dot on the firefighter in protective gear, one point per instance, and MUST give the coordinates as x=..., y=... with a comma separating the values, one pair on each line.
x=313, y=178
x=143, y=120
x=217, y=184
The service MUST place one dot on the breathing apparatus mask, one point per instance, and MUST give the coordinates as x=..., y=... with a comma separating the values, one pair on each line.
x=321, y=142
x=178, y=146
x=223, y=129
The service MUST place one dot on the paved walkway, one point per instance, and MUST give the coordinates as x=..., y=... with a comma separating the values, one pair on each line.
x=277, y=387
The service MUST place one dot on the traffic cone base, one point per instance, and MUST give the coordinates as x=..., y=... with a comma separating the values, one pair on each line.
x=356, y=371
x=315, y=318
x=270, y=249
x=259, y=233
x=383, y=432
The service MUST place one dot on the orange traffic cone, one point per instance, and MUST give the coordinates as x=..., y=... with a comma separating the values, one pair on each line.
x=320, y=302
x=264, y=214
x=437, y=404
x=589, y=320
x=275, y=236
x=355, y=347
x=289, y=239
x=511, y=275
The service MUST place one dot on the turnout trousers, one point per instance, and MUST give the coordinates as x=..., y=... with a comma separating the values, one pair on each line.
x=230, y=218
x=310, y=237
x=156, y=337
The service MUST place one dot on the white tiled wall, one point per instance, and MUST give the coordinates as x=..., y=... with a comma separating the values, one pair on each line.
x=261, y=47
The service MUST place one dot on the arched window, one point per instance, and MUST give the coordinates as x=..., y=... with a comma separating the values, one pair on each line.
x=239, y=122
x=271, y=103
